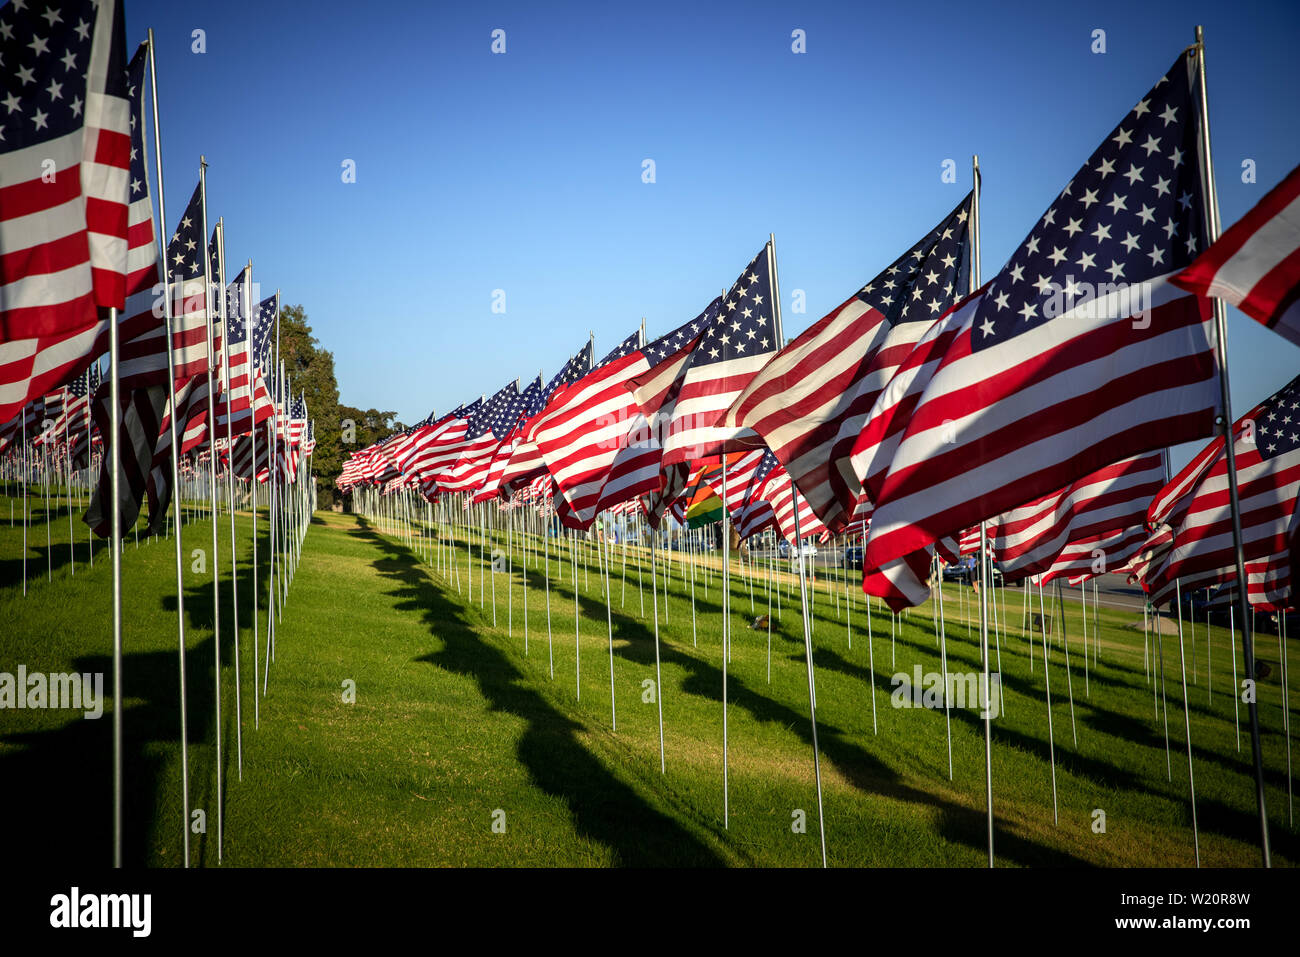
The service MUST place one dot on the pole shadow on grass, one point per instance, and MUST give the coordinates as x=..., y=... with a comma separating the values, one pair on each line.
x=466, y=653
x=603, y=808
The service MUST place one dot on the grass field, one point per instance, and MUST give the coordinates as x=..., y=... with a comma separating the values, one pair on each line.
x=458, y=723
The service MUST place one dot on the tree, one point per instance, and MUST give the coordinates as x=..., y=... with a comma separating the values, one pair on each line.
x=340, y=429
x=310, y=371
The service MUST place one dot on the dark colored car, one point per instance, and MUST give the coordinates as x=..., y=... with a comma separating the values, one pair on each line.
x=853, y=557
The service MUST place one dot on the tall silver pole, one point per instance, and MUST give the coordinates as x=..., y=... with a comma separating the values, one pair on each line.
x=177, y=491
x=659, y=687
x=230, y=491
x=1225, y=424
x=726, y=631
x=1187, y=719
x=984, y=556
x=252, y=481
x=115, y=488
x=212, y=489
x=803, y=574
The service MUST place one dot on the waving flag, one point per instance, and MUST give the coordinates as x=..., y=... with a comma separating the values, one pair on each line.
x=246, y=385
x=585, y=424
x=1080, y=352
x=729, y=351
x=747, y=474
x=526, y=462
x=639, y=468
x=430, y=450
x=786, y=500
x=63, y=228
x=530, y=401
x=1195, y=504
x=1255, y=265
x=487, y=428
x=810, y=402
x=189, y=292
x=1107, y=504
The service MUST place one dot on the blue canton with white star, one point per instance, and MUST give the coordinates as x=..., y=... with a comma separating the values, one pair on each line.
x=577, y=367
x=745, y=324
x=1132, y=213
x=184, y=255
x=924, y=283
x=495, y=415
x=44, y=58
x=1278, y=427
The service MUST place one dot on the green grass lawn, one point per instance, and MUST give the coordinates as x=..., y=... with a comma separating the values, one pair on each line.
x=457, y=722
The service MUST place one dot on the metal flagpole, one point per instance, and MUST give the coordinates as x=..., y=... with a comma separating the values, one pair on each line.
x=726, y=631
x=230, y=490
x=1225, y=424
x=803, y=575
x=659, y=688
x=577, y=619
x=1187, y=720
x=1069, y=681
x=984, y=555
x=115, y=488
x=212, y=482
x=175, y=457
x=252, y=436
x=1047, y=681
x=603, y=555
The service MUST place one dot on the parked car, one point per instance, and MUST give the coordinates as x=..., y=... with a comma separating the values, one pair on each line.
x=853, y=557
x=959, y=571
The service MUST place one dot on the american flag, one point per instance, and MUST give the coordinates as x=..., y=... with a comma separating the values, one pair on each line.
x=1255, y=265
x=142, y=334
x=143, y=348
x=432, y=449
x=1195, y=504
x=241, y=458
x=638, y=468
x=1109, y=502
x=874, y=448
x=1079, y=559
x=783, y=496
x=1268, y=584
x=63, y=245
x=140, y=416
x=185, y=264
x=487, y=428
x=297, y=421
x=746, y=481
x=810, y=402
x=530, y=403
x=584, y=425
x=731, y=349
x=1080, y=352
x=191, y=400
x=526, y=461
x=79, y=423
x=236, y=352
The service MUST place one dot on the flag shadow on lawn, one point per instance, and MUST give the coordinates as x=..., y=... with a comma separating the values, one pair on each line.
x=57, y=803
x=865, y=772
x=43, y=560
x=603, y=808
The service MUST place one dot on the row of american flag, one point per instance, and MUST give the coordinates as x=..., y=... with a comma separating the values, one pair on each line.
x=1037, y=406
x=81, y=239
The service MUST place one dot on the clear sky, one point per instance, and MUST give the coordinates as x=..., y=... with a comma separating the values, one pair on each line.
x=523, y=171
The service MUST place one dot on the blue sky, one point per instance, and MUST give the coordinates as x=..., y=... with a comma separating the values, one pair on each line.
x=523, y=171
